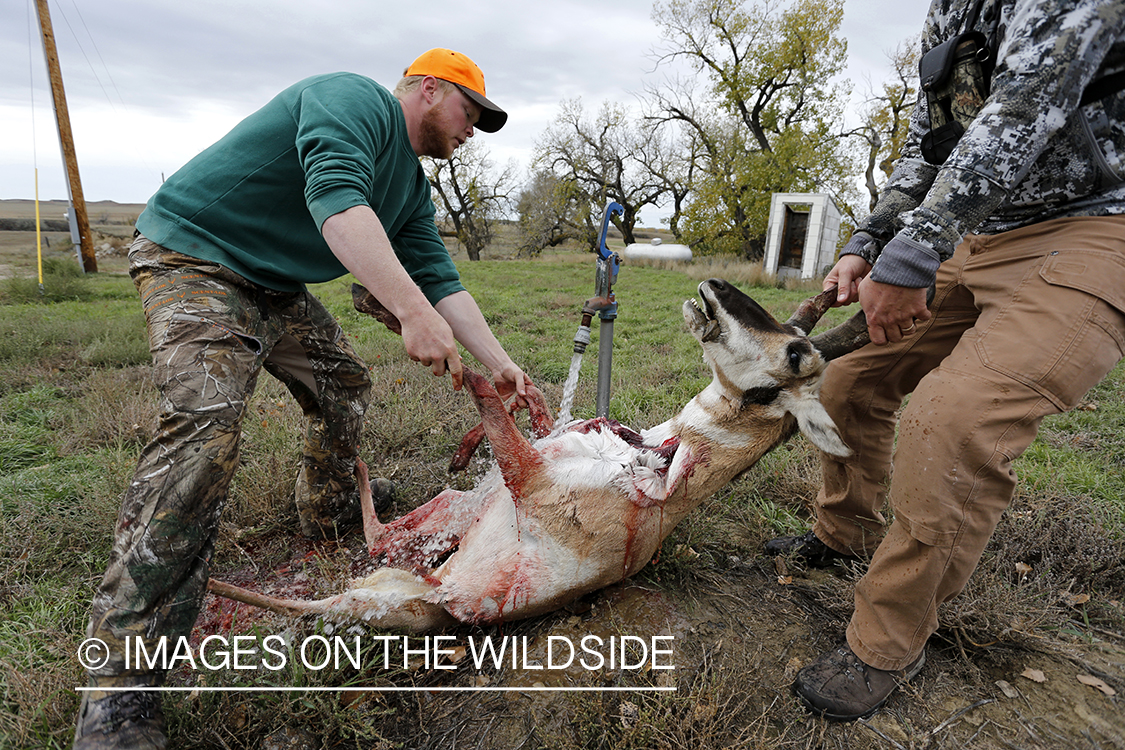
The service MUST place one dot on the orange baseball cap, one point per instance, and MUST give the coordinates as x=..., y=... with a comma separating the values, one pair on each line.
x=464, y=74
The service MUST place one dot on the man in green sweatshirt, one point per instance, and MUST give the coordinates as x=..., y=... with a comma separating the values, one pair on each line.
x=321, y=181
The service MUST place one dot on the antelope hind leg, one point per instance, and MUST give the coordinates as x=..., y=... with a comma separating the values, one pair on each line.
x=389, y=599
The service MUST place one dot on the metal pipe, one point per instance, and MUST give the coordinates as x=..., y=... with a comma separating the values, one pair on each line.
x=605, y=303
x=605, y=366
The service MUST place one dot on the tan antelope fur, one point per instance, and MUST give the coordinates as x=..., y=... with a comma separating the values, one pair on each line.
x=586, y=504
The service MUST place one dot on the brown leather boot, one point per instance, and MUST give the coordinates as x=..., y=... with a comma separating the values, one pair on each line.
x=839, y=686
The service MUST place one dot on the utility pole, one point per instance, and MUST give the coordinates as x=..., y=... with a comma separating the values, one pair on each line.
x=80, y=223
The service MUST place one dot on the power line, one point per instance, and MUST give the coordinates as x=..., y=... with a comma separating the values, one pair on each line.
x=98, y=51
x=83, y=51
x=31, y=86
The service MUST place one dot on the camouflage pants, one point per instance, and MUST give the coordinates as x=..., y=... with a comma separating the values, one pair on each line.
x=211, y=332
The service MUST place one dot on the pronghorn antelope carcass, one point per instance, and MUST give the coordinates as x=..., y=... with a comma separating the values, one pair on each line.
x=586, y=504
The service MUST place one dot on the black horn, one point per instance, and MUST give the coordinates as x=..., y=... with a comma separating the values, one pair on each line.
x=812, y=310
x=849, y=335
x=844, y=338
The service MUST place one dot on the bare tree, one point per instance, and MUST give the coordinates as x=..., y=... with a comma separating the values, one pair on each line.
x=604, y=159
x=886, y=119
x=552, y=210
x=470, y=196
x=708, y=173
x=673, y=158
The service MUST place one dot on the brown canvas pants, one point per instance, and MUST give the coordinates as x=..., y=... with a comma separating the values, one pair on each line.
x=1024, y=324
x=211, y=332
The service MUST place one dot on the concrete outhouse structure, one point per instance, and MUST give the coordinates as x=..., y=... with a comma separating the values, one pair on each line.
x=802, y=235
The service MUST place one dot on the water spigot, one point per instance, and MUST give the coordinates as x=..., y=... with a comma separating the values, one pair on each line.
x=582, y=337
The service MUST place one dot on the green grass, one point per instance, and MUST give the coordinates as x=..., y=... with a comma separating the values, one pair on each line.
x=1083, y=452
x=76, y=406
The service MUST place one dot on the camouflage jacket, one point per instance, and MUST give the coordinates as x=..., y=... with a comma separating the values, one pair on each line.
x=1031, y=154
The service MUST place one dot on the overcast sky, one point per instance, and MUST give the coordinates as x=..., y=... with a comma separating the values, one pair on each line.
x=150, y=83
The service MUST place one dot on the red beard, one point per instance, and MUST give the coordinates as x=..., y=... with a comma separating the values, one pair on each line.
x=434, y=140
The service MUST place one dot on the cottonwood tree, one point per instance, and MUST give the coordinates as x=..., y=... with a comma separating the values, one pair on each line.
x=886, y=118
x=470, y=195
x=551, y=210
x=603, y=158
x=715, y=209
x=768, y=117
x=673, y=159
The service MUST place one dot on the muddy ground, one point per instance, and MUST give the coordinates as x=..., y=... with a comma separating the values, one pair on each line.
x=741, y=631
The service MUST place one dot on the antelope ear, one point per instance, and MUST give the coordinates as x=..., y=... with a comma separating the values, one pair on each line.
x=818, y=427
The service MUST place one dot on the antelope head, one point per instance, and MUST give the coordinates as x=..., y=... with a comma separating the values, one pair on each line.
x=766, y=378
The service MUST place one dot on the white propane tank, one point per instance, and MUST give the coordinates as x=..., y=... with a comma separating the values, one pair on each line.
x=657, y=250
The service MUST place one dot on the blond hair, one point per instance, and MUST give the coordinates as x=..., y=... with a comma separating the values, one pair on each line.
x=408, y=84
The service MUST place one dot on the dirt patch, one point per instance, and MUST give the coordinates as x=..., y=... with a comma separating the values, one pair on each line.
x=740, y=639
x=736, y=637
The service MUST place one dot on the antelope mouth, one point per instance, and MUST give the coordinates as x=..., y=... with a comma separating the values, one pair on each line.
x=700, y=316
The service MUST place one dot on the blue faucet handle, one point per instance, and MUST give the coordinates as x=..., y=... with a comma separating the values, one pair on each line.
x=611, y=208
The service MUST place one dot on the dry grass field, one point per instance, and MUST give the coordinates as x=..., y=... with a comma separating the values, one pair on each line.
x=1030, y=657
x=111, y=226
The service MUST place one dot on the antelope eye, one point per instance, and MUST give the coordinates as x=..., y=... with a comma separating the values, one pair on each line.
x=795, y=354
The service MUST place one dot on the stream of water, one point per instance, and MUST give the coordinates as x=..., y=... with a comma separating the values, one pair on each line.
x=569, y=389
